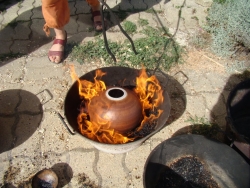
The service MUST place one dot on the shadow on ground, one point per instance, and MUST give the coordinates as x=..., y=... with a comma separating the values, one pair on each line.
x=217, y=129
x=176, y=94
x=4, y=4
x=20, y=116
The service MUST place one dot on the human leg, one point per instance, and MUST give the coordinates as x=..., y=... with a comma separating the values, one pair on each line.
x=95, y=10
x=56, y=52
x=56, y=15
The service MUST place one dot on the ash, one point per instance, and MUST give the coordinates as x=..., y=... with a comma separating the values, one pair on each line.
x=186, y=172
x=147, y=128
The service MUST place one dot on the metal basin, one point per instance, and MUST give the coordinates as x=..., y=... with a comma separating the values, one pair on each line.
x=226, y=166
x=116, y=76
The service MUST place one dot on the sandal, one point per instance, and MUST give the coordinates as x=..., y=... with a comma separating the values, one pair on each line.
x=60, y=54
x=96, y=23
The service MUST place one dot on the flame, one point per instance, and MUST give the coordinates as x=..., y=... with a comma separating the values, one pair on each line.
x=150, y=93
x=148, y=90
x=87, y=89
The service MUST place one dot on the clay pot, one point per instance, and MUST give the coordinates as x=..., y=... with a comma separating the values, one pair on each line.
x=118, y=106
x=44, y=179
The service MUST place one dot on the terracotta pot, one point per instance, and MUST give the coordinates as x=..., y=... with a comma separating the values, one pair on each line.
x=117, y=107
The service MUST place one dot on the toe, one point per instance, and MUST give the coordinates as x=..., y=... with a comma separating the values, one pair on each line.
x=51, y=58
x=57, y=59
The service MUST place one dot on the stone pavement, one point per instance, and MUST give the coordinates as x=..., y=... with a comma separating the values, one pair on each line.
x=32, y=92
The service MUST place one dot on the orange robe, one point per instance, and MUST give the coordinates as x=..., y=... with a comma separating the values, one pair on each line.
x=56, y=13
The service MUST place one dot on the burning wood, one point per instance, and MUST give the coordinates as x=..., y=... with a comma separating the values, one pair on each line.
x=149, y=94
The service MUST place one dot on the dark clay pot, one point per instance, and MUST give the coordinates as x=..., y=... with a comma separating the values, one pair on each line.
x=45, y=178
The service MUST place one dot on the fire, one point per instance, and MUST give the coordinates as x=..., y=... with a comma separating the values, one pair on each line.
x=150, y=93
x=148, y=90
x=88, y=89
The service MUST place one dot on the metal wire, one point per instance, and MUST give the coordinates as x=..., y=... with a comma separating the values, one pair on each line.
x=103, y=3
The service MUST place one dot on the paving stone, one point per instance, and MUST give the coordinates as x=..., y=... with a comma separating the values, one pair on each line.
x=125, y=5
x=19, y=174
x=20, y=46
x=9, y=101
x=7, y=33
x=37, y=3
x=107, y=170
x=135, y=161
x=7, y=124
x=82, y=7
x=12, y=72
x=4, y=167
x=200, y=82
x=152, y=4
x=54, y=134
x=84, y=23
x=139, y=5
x=4, y=47
x=37, y=13
x=1, y=19
x=83, y=162
x=114, y=5
x=26, y=11
x=31, y=103
x=27, y=145
x=22, y=31
x=33, y=67
x=25, y=15
x=37, y=28
x=194, y=103
x=11, y=15
x=52, y=160
x=205, y=3
x=72, y=26
x=216, y=104
x=151, y=18
x=72, y=8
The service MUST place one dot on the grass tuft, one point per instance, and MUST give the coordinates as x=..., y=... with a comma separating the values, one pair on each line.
x=201, y=126
x=156, y=50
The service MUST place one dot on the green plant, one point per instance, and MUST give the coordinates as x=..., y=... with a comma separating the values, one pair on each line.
x=92, y=51
x=219, y=1
x=157, y=49
x=200, y=39
x=200, y=125
x=20, y=4
x=142, y=22
x=150, y=11
x=129, y=27
x=195, y=18
x=229, y=25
